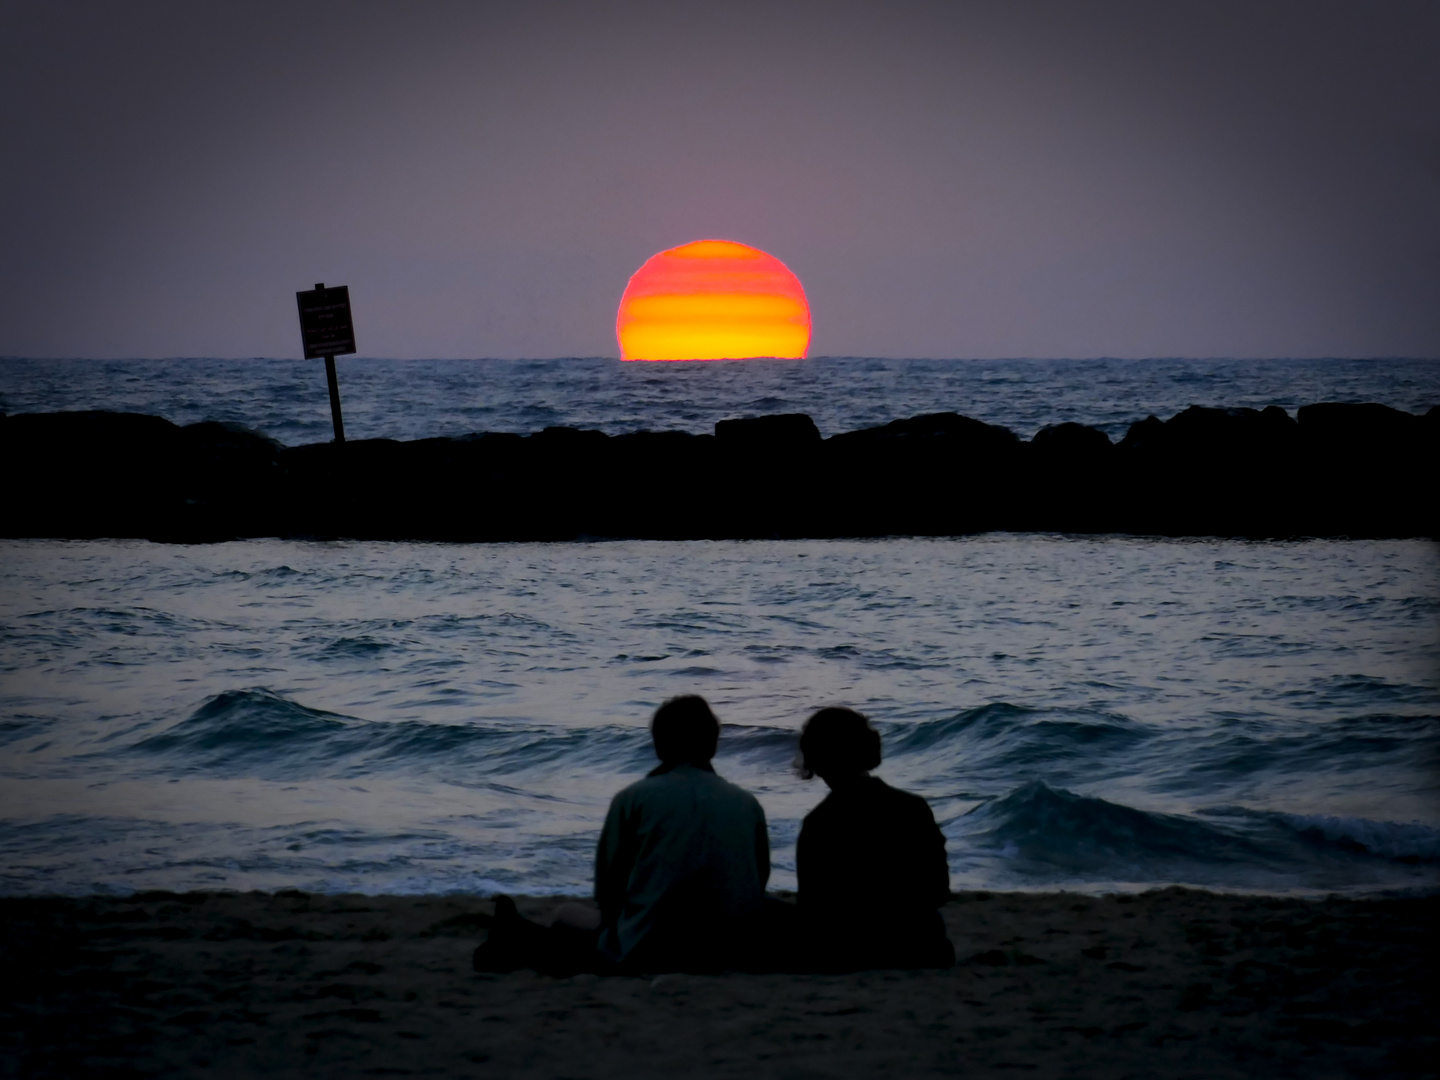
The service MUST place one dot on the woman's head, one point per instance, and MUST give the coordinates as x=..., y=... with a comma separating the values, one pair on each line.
x=685, y=731
x=838, y=743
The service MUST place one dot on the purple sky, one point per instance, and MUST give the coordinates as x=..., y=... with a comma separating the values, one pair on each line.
x=948, y=180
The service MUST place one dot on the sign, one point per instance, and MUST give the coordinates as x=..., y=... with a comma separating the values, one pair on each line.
x=325, y=328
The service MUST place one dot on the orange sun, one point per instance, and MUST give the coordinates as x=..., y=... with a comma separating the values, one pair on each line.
x=713, y=300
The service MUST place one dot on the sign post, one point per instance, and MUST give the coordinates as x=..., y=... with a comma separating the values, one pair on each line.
x=326, y=330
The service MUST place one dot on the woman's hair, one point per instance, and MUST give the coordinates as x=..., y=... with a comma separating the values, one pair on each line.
x=838, y=741
x=684, y=731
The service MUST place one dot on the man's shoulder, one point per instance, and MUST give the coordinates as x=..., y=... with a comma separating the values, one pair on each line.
x=669, y=784
x=639, y=790
x=716, y=785
x=735, y=792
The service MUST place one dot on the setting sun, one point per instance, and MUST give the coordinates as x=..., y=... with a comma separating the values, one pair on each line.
x=713, y=300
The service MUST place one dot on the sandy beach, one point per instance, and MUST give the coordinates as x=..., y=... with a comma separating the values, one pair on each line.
x=1174, y=983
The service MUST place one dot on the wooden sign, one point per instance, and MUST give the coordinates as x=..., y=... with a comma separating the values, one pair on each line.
x=325, y=327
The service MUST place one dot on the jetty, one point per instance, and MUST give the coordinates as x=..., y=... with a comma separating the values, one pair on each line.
x=1331, y=470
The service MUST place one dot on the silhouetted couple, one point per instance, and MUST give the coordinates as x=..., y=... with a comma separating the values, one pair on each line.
x=683, y=858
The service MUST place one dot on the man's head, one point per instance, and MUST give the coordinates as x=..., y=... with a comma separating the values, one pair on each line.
x=838, y=743
x=685, y=731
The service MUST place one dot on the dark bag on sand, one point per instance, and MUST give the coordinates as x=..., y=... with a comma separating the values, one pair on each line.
x=515, y=942
x=766, y=943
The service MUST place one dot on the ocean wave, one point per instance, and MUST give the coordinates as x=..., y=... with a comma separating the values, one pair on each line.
x=1249, y=748
x=257, y=733
x=1330, y=835
x=1004, y=726
x=17, y=727
x=1361, y=691
x=990, y=745
x=771, y=748
x=67, y=627
x=74, y=854
x=1038, y=833
x=1043, y=826
x=361, y=647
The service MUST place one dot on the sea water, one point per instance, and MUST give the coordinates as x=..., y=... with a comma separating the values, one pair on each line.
x=1081, y=712
x=415, y=399
x=423, y=717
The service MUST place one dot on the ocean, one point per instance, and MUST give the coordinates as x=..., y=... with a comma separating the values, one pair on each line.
x=1089, y=713
x=417, y=399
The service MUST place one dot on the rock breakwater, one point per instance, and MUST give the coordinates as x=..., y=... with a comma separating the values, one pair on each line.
x=1333, y=469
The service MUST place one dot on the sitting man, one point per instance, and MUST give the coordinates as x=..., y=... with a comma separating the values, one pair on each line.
x=680, y=871
x=683, y=859
x=870, y=860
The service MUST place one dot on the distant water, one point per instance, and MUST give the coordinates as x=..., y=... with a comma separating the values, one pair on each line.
x=1080, y=712
x=411, y=399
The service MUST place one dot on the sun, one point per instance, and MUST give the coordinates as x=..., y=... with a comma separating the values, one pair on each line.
x=713, y=300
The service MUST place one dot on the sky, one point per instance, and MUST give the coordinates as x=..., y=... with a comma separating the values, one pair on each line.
x=1027, y=178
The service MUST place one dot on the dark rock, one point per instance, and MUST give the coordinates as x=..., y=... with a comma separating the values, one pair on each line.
x=658, y=442
x=1209, y=471
x=762, y=480
x=947, y=427
x=230, y=438
x=492, y=438
x=228, y=473
x=782, y=429
x=1143, y=434
x=90, y=474
x=1068, y=484
x=1357, y=425
x=569, y=439
x=937, y=474
x=1071, y=440
x=1206, y=431
x=1429, y=434
x=1356, y=470
x=1370, y=470
x=658, y=484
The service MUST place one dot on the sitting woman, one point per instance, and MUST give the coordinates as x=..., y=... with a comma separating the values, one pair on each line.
x=870, y=859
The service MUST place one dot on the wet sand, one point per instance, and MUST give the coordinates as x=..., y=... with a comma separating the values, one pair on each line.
x=1171, y=983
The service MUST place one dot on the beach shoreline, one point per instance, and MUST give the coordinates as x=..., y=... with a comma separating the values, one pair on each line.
x=1170, y=982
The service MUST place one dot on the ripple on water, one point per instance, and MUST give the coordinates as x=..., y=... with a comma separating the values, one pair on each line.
x=216, y=709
